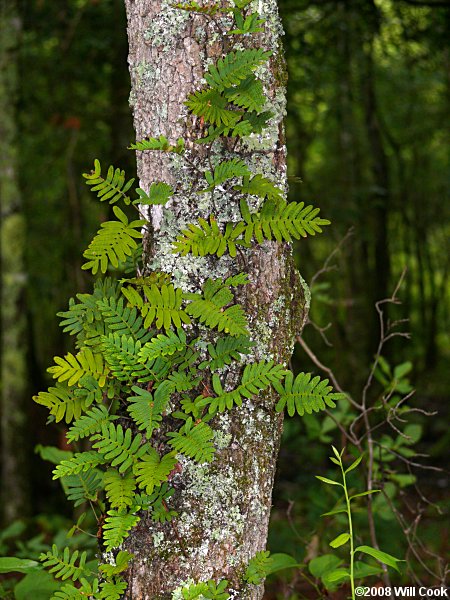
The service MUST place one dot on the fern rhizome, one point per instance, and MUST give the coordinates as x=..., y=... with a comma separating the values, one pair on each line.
x=146, y=350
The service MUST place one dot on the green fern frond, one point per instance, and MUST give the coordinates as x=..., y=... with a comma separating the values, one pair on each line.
x=305, y=395
x=152, y=470
x=251, y=24
x=207, y=239
x=122, y=561
x=119, y=489
x=206, y=589
x=226, y=170
x=235, y=67
x=112, y=590
x=117, y=527
x=212, y=106
x=82, y=487
x=64, y=565
x=258, y=568
x=112, y=187
x=158, y=504
x=146, y=409
x=182, y=381
x=281, y=221
x=227, y=350
x=159, y=193
x=113, y=242
x=90, y=423
x=163, y=345
x=123, y=320
x=162, y=304
x=62, y=403
x=121, y=354
x=71, y=592
x=210, y=310
x=72, y=368
x=255, y=378
x=195, y=7
x=260, y=186
x=248, y=94
x=162, y=144
x=122, y=449
x=81, y=462
x=194, y=441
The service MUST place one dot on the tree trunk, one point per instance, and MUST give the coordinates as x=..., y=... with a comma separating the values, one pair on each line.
x=14, y=388
x=224, y=506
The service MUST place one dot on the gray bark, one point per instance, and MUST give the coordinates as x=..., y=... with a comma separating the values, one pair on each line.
x=223, y=507
x=14, y=396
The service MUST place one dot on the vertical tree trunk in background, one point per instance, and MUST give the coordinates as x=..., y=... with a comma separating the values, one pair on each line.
x=14, y=397
x=223, y=507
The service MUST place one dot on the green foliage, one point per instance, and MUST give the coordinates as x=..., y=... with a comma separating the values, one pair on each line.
x=123, y=320
x=117, y=527
x=122, y=449
x=206, y=238
x=195, y=7
x=119, y=489
x=225, y=171
x=209, y=308
x=193, y=440
x=90, y=423
x=112, y=188
x=226, y=351
x=161, y=304
x=122, y=560
x=255, y=378
x=162, y=144
x=159, y=193
x=65, y=565
x=258, y=567
x=235, y=67
x=152, y=470
x=305, y=395
x=206, y=589
x=83, y=486
x=252, y=23
x=62, y=403
x=73, y=368
x=164, y=345
x=211, y=105
x=146, y=409
x=79, y=463
x=260, y=186
x=113, y=243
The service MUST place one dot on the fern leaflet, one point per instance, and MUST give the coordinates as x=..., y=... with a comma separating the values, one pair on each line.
x=194, y=441
x=227, y=350
x=123, y=320
x=113, y=242
x=260, y=186
x=146, y=409
x=305, y=395
x=211, y=105
x=82, y=461
x=248, y=94
x=235, y=67
x=111, y=188
x=122, y=448
x=152, y=470
x=258, y=567
x=225, y=171
x=122, y=560
x=206, y=238
x=82, y=487
x=90, y=423
x=62, y=403
x=163, y=345
x=119, y=489
x=255, y=378
x=162, y=144
x=64, y=565
x=159, y=193
x=117, y=527
x=72, y=368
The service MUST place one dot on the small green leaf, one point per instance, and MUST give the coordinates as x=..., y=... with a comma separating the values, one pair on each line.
x=367, y=493
x=281, y=561
x=340, y=540
x=383, y=557
x=321, y=565
x=335, y=576
x=354, y=465
x=336, y=453
x=336, y=511
x=329, y=481
x=362, y=570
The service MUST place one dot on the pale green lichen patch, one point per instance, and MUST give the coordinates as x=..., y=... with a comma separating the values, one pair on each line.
x=164, y=30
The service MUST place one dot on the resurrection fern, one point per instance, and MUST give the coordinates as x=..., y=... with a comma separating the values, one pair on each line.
x=113, y=243
x=305, y=395
x=146, y=409
x=194, y=441
x=117, y=527
x=255, y=378
x=152, y=350
x=112, y=187
x=119, y=489
x=65, y=565
x=122, y=449
x=152, y=470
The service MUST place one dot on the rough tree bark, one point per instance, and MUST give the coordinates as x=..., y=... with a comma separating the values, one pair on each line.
x=224, y=506
x=14, y=386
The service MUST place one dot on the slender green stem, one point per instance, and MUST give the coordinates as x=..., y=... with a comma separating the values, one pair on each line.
x=350, y=530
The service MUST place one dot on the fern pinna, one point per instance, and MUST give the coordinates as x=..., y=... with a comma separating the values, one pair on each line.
x=151, y=358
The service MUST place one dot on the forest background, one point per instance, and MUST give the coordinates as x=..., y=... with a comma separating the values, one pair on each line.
x=367, y=132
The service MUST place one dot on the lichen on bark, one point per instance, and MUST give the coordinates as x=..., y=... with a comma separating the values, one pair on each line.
x=224, y=506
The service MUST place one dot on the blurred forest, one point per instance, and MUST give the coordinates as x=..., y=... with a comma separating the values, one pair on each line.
x=367, y=133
